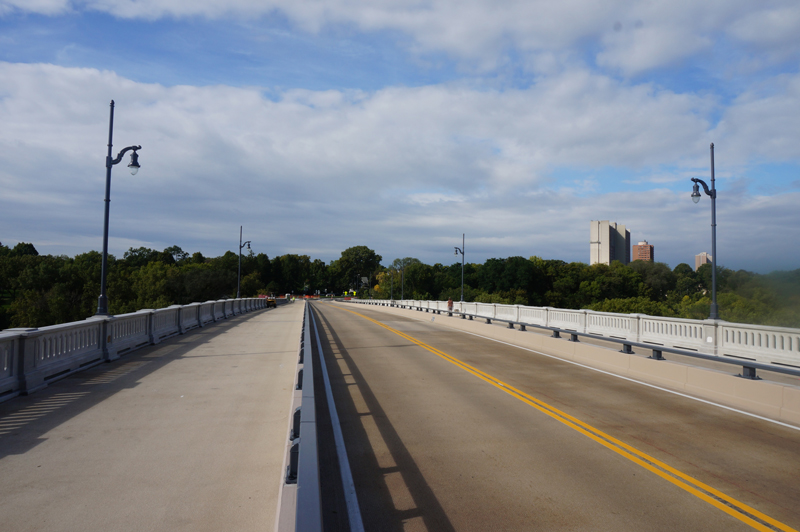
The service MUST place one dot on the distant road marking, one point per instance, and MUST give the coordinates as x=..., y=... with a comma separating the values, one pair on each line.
x=729, y=505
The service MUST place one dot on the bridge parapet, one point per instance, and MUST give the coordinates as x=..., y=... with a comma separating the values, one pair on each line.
x=759, y=343
x=32, y=357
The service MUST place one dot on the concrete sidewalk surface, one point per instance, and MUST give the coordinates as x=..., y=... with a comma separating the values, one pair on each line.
x=186, y=435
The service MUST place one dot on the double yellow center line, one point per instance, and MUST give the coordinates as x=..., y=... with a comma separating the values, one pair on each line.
x=727, y=504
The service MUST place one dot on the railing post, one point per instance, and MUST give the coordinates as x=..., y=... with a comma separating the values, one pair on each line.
x=710, y=340
x=636, y=322
x=28, y=378
x=180, y=320
x=151, y=325
x=106, y=340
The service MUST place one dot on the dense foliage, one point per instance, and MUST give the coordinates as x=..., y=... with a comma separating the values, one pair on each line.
x=38, y=290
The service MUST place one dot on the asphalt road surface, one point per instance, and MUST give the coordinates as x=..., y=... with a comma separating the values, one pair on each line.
x=449, y=431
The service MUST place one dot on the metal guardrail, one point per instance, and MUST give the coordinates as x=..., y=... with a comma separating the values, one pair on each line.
x=749, y=367
x=30, y=358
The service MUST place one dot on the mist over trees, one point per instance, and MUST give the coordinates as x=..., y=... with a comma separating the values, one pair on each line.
x=38, y=290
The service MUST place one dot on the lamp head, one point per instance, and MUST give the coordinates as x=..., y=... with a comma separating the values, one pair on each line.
x=696, y=193
x=134, y=166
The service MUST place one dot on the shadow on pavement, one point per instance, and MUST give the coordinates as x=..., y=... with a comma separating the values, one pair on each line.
x=378, y=510
x=25, y=419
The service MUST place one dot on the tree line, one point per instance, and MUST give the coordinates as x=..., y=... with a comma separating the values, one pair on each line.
x=38, y=290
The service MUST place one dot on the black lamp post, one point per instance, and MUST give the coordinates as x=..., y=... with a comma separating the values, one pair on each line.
x=461, y=250
x=102, y=301
x=696, y=198
x=239, y=278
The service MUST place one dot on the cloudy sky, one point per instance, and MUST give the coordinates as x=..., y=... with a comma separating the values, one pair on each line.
x=401, y=124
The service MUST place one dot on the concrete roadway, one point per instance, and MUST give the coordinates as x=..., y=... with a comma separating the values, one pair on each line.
x=507, y=439
x=188, y=435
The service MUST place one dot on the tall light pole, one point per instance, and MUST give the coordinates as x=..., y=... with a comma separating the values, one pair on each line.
x=461, y=250
x=713, y=314
x=239, y=278
x=102, y=301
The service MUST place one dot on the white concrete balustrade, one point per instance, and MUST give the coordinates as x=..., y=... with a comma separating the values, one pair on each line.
x=189, y=316
x=166, y=323
x=129, y=331
x=30, y=358
x=760, y=343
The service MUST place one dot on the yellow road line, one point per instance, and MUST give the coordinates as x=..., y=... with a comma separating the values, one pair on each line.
x=716, y=498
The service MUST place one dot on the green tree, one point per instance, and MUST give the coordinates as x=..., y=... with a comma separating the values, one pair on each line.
x=24, y=248
x=685, y=280
x=201, y=282
x=657, y=277
x=353, y=264
x=251, y=284
x=150, y=285
x=138, y=257
x=178, y=255
x=633, y=305
x=418, y=281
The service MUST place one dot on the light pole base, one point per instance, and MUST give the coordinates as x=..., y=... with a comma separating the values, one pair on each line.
x=102, y=306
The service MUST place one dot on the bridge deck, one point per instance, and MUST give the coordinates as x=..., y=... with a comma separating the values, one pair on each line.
x=450, y=431
x=187, y=435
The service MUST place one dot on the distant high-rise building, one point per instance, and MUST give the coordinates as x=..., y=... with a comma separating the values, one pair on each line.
x=609, y=241
x=643, y=251
x=700, y=259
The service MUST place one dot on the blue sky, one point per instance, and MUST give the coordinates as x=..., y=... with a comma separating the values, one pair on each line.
x=399, y=125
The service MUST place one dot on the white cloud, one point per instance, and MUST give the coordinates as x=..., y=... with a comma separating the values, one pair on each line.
x=769, y=27
x=764, y=122
x=44, y=7
x=641, y=49
x=632, y=37
x=401, y=169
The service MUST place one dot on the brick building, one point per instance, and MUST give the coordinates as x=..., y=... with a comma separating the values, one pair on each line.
x=643, y=251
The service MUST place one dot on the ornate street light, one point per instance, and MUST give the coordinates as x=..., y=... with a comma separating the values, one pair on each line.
x=461, y=250
x=712, y=193
x=102, y=301
x=239, y=278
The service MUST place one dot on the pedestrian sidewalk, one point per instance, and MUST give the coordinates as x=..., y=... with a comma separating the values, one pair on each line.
x=186, y=435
